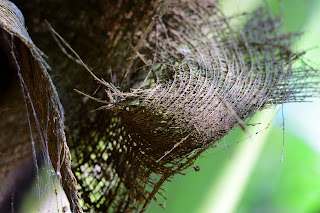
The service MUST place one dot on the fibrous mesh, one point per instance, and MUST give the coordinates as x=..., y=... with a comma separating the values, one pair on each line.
x=178, y=77
x=192, y=81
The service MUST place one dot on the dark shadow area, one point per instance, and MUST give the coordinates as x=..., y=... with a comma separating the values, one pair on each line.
x=20, y=183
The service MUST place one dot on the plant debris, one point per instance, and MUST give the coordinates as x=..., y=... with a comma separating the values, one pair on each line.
x=169, y=80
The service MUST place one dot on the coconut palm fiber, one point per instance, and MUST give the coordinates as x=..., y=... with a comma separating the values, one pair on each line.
x=44, y=113
x=159, y=83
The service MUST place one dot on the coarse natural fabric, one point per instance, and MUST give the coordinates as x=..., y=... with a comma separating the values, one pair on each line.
x=159, y=83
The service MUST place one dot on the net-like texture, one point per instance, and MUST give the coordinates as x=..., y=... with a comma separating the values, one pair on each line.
x=203, y=85
x=193, y=80
x=179, y=77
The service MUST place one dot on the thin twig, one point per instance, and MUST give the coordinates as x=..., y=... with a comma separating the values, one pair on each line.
x=283, y=133
x=101, y=81
x=90, y=97
x=177, y=144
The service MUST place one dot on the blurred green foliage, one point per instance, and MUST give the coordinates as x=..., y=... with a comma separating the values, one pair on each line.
x=289, y=186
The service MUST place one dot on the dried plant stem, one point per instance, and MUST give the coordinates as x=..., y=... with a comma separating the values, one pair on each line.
x=177, y=144
x=101, y=81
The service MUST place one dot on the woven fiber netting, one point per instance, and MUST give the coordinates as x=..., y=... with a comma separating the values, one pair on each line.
x=164, y=81
x=192, y=81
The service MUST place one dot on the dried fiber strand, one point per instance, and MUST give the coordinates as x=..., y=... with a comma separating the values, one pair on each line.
x=43, y=105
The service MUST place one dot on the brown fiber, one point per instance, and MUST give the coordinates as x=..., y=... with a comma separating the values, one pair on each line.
x=44, y=110
x=164, y=81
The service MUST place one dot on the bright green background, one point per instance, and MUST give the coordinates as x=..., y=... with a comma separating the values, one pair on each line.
x=291, y=186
